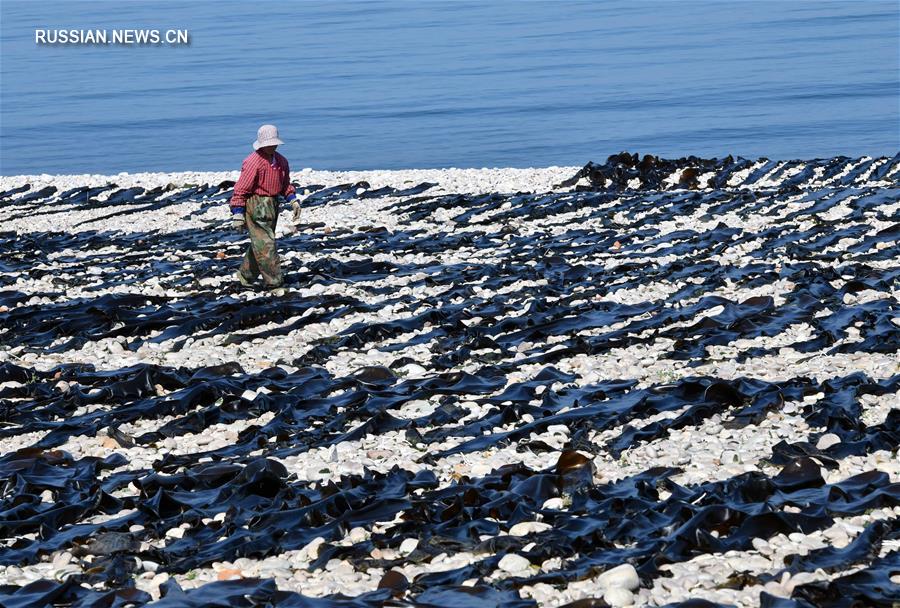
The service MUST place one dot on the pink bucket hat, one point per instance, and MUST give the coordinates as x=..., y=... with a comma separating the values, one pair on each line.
x=267, y=135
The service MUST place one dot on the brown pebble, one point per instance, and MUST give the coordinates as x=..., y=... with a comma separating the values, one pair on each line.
x=395, y=581
x=220, y=255
x=570, y=459
x=459, y=472
x=109, y=443
x=228, y=574
x=379, y=454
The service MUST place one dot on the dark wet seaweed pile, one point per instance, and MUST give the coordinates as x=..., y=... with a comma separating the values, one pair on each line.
x=555, y=283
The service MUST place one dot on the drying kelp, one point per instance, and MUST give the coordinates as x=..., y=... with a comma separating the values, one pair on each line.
x=461, y=400
x=631, y=171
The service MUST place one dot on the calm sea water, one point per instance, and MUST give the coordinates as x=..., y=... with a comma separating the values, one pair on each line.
x=454, y=83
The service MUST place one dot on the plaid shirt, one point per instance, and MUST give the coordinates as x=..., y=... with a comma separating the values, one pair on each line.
x=263, y=177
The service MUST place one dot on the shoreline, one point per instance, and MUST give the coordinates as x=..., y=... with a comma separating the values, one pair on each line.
x=763, y=173
x=450, y=179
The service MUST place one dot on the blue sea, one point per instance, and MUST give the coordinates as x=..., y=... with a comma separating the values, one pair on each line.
x=359, y=85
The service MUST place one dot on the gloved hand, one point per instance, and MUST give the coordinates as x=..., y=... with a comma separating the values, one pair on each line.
x=237, y=221
x=295, y=207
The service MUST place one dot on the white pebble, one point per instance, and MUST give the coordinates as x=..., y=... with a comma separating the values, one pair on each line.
x=827, y=440
x=408, y=546
x=624, y=576
x=617, y=597
x=513, y=563
x=528, y=527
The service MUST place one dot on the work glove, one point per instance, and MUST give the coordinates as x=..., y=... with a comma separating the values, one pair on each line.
x=237, y=221
x=295, y=207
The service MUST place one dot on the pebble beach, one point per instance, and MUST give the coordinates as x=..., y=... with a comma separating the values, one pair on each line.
x=634, y=384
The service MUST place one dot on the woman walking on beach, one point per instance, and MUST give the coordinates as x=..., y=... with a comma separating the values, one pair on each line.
x=265, y=175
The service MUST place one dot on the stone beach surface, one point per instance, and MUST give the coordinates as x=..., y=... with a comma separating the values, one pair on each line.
x=589, y=256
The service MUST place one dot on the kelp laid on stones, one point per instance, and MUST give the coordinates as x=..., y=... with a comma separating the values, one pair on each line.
x=467, y=400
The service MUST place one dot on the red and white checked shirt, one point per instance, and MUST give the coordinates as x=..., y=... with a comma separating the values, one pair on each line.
x=265, y=177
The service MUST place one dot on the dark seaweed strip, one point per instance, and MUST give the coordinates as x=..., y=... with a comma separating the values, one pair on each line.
x=862, y=550
x=7, y=194
x=35, y=196
x=871, y=586
x=885, y=169
x=836, y=166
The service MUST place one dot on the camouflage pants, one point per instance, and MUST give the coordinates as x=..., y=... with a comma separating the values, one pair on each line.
x=261, y=258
